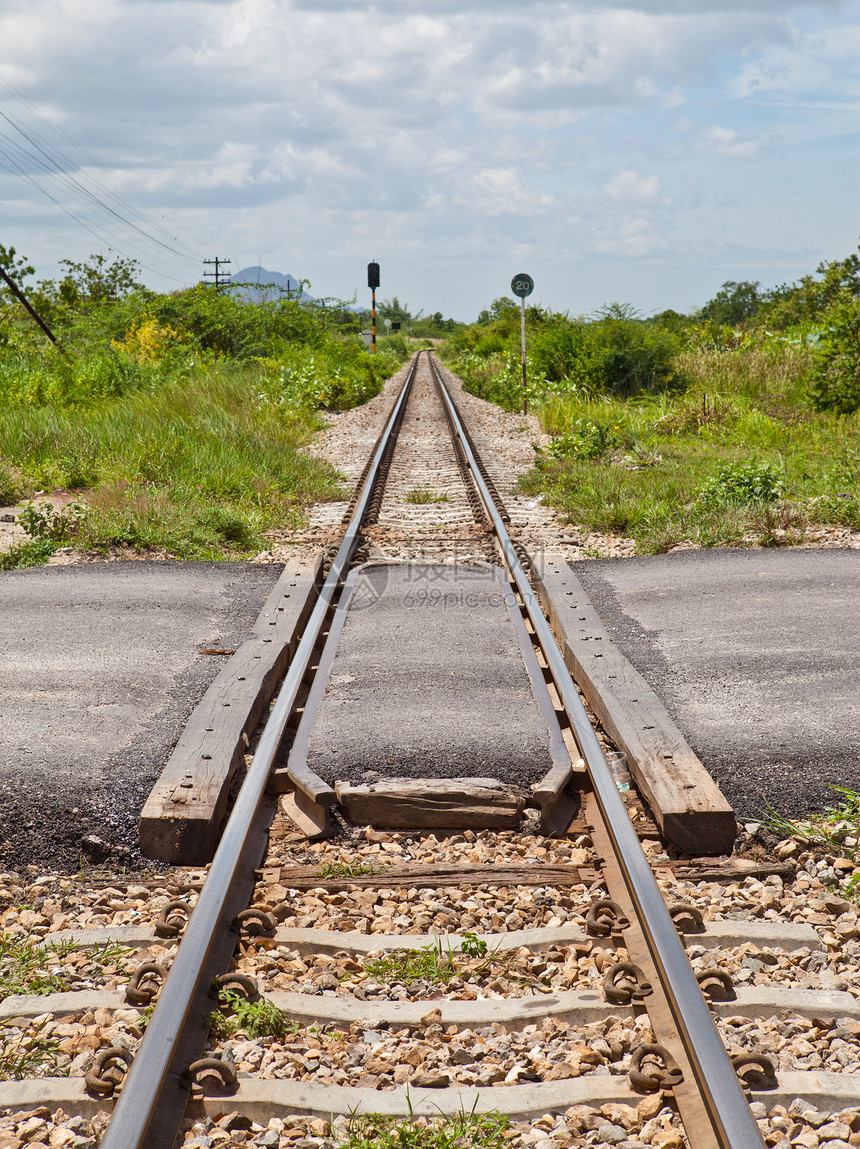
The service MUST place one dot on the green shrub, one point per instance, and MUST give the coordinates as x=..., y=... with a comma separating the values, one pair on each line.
x=584, y=440
x=841, y=509
x=30, y=553
x=835, y=376
x=742, y=483
x=615, y=354
x=632, y=357
x=46, y=521
x=254, y=1019
x=30, y=378
x=338, y=376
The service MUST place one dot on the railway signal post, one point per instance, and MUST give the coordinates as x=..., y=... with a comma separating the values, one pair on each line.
x=373, y=283
x=523, y=285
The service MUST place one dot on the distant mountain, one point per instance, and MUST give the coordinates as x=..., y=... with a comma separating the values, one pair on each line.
x=243, y=284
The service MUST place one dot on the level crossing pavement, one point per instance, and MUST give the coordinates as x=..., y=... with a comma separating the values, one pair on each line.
x=100, y=668
x=756, y=655
x=753, y=652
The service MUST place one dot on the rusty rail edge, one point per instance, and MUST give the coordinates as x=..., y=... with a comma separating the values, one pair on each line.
x=733, y=1124
x=153, y=1067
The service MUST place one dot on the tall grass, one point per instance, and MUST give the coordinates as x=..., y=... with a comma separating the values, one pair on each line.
x=34, y=379
x=737, y=457
x=201, y=466
x=774, y=372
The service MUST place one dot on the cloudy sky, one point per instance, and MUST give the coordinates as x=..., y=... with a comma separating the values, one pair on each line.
x=642, y=152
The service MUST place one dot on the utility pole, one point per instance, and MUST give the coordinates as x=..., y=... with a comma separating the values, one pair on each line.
x=219, y=276
x=373, y=283
x=22, y=299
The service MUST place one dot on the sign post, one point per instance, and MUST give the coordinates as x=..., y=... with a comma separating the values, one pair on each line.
x=523, y=285
x=373, y=283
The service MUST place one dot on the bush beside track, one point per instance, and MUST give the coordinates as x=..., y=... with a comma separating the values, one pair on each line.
x=179, y=420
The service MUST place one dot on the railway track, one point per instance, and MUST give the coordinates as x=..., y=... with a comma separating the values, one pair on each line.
x=582, y=985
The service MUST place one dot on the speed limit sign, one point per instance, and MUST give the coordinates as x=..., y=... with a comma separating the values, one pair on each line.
x=522, y=285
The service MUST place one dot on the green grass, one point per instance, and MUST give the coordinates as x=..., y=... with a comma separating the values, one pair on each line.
x=29, y=553
x=350, y=869
x=200, y=467
x=28, y=966
x=462, y=1131
x=34, y=967
x=251, y=1018
x=736, y=458
x=422, y=495
x=179, y=420
x=827, y=830
x=30, y=1054
x=429, y=964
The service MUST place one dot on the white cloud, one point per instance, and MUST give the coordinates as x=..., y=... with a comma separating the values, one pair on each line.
x=635, y=238
x=632, y=187
x=312, y=128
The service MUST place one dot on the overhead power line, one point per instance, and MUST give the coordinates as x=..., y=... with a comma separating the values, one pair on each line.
x=41, y=161
x=87, y=192
x=64, y=207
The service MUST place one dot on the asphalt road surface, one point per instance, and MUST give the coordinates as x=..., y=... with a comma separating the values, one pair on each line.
x=99, y=670
x=429, y=682
x=756, y=655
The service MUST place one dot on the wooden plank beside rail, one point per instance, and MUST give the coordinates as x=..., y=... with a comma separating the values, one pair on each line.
x=686, y=802
x=182, y=816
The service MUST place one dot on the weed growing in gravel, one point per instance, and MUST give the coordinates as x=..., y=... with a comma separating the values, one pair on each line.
x=428, y=963
x=111, y=955
x=30, y=966
x=350, y=869
x=473, y=946
x=253, y=1018
x=472, y=1130
x=433, y=965
x=423, y=495
x=35, y=967
x=30, y=1054
x=835, y=828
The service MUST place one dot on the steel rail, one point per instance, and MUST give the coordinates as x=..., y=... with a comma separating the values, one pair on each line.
x=733, y=1123
x=150, y=1070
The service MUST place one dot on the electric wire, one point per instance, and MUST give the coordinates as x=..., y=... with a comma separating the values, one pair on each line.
x=190, y=251
x=103, y=239
x=48, y=163
x=40, y=162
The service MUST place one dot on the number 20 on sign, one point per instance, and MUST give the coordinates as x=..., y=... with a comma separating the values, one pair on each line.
x=522, y=285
